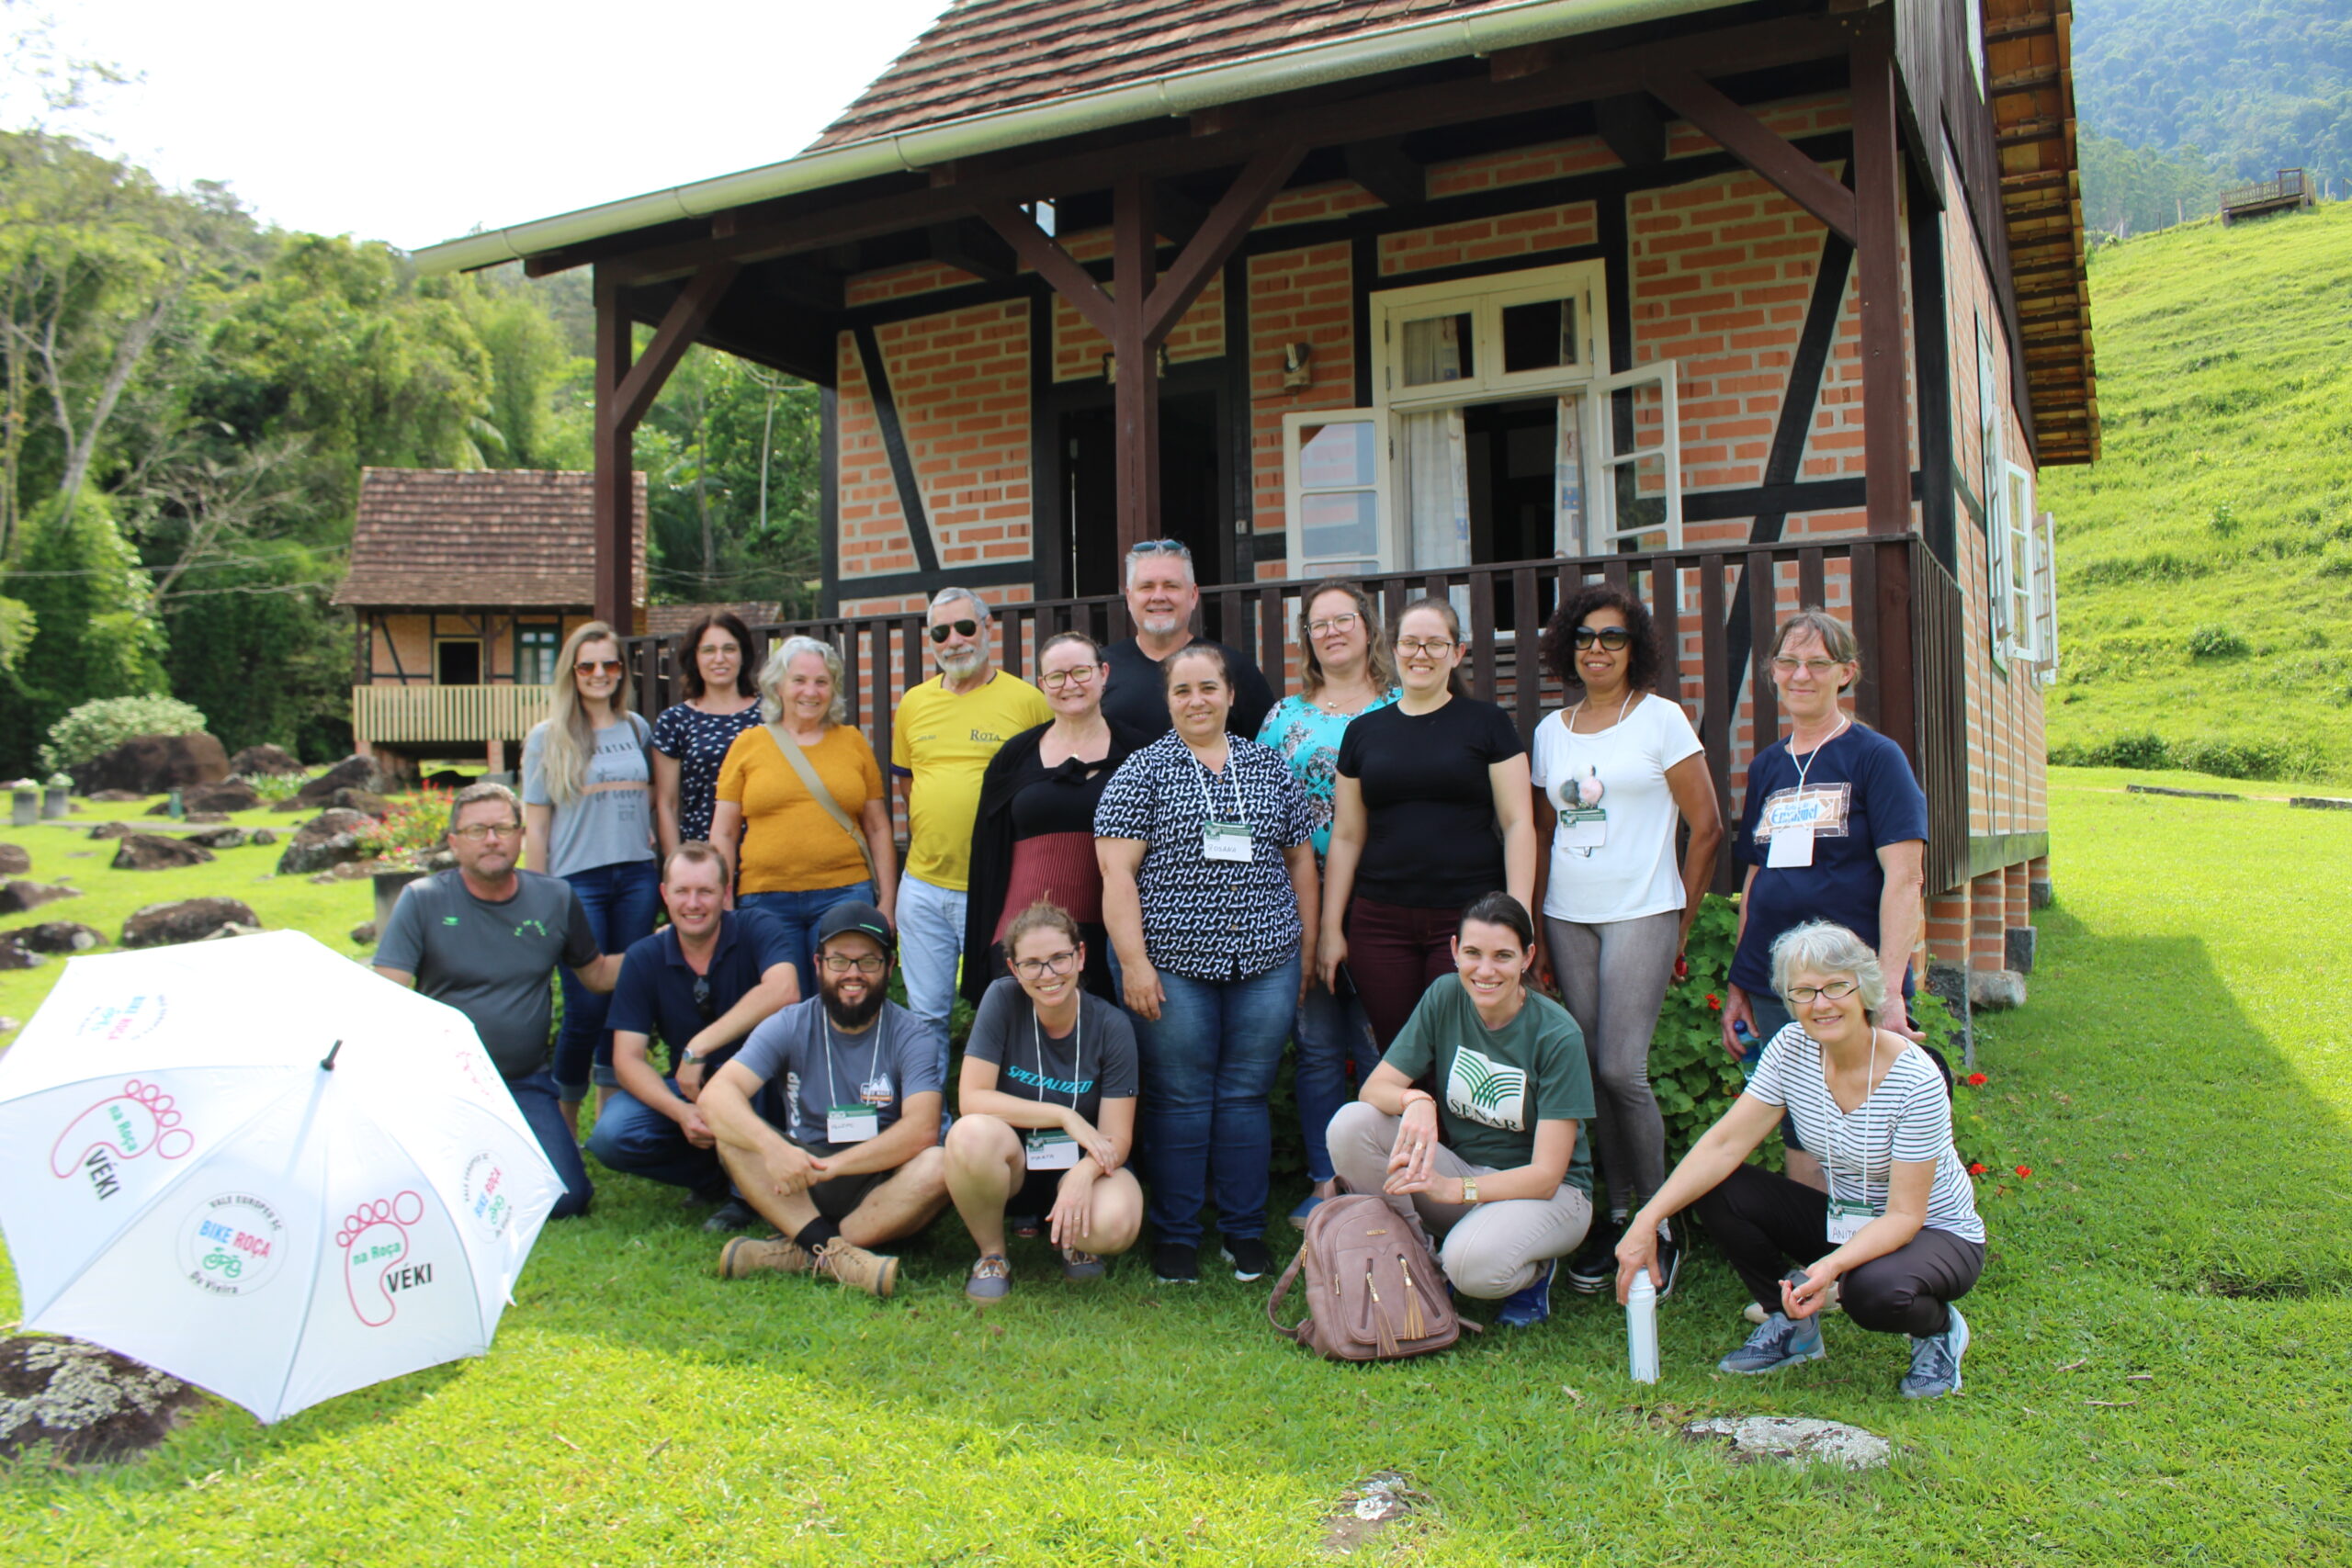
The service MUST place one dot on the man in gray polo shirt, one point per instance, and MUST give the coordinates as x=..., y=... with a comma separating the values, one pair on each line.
x=485, y=938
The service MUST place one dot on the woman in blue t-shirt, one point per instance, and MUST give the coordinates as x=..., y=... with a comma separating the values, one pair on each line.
x=1833, y=828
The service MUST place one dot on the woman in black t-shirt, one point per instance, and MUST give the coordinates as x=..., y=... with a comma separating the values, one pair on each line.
x=1048, y=1093
x=1432, y=811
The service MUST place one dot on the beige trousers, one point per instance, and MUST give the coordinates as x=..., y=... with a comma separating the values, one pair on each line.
x=1488, y=1250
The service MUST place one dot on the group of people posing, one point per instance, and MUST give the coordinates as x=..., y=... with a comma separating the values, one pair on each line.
x=1150, y=877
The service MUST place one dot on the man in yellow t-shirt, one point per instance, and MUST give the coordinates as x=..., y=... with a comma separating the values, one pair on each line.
x=945, y=731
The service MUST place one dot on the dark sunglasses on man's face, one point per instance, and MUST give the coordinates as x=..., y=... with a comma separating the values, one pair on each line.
x=961, y=628
x=1611, y=638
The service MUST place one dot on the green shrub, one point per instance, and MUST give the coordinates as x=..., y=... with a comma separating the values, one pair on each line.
x=2225, y=520
x=411, y=829
x=2215, y=642
x=2143, y=751
x=96, y=728
x=1693, y=1076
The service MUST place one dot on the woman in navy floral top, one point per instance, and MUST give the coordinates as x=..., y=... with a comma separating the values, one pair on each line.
x=690, y=737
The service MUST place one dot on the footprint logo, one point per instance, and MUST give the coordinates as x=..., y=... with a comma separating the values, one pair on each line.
x=375, y=1244
x=138, y=1119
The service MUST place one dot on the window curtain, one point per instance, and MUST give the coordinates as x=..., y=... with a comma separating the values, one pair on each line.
x=1435, y=448
x=1567, y=496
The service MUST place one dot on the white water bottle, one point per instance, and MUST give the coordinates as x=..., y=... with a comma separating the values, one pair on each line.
x=1641, y=1328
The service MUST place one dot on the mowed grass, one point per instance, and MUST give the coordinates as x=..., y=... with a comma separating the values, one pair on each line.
x=2223, y=499
x=2160, y=1374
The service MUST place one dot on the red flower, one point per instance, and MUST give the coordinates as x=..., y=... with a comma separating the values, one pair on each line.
x=1715, y=1002
x=1974, y=1080
x=1978, y=1167
x=2025, y=1170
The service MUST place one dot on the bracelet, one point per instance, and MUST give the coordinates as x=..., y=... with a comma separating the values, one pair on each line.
x=1408, y=1096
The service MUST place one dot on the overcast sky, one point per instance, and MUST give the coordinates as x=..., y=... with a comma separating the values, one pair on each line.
x=419, y=121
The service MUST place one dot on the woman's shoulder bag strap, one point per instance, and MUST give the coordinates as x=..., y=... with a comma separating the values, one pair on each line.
x=818, y=793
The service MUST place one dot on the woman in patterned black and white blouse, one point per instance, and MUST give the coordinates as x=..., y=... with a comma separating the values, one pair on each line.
x=1208, y=891
x=690, y=737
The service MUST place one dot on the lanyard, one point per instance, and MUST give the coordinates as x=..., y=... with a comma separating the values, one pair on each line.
x=1620, y=714
x=872, y=1068
x=1208, y=807
x=1869, y=1088
x=1806, y=766
x=1078, y=1049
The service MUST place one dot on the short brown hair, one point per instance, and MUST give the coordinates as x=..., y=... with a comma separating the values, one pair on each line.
x=1379, y=663
x=694, y=851
x=1045, y=915
x=481, y=789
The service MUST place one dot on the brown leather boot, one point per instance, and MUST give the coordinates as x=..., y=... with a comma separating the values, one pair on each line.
x=746, y=1256
x=844, y=1261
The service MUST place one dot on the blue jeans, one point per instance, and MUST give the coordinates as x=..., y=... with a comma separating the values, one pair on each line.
x=622, y=900
x=1771, y=1015
x=796, y=915
x=1208, y=1065
x=1333, y=1034
x=535, y=1095
x=931, y=949
x=636, y=1140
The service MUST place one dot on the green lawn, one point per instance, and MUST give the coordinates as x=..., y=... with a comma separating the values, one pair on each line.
x=2161, y=1370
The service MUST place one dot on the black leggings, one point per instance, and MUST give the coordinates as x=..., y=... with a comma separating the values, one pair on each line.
x=1764, y=1223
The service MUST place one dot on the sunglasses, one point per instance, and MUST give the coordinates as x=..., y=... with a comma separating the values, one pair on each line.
x=704, y=1007
x=598, y=667
x=1613, y=639
x=961, y=628
x=1162, y=548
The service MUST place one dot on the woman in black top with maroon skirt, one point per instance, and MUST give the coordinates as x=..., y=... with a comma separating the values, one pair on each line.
x=1432, y=811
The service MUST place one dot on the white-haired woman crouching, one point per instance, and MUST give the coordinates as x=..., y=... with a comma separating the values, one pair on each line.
x=1898, y=1230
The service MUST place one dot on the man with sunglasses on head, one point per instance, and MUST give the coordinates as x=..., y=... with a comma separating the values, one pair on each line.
x=702, y=984
x=840, y=1151
x=1161, y=595
x=485, y=938
x=945, y=731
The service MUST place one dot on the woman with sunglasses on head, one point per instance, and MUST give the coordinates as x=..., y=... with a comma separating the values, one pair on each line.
x=690, y=737
x=1894, y=1232
x=802, y=815
x=1430, y=811
x=1047, y=1110
x=1833, y=827
x=1033, y=837
x=588, y=818
x=1614, y=773
x=1345, y=669
x=1208, y=889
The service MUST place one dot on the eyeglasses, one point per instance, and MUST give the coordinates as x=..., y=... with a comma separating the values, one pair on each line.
x=961, y=628
x=598, y=667
x=1052, y=963
x=1813, y=667
x=1339, y=623
x=1612, y=640
x=702, y=1004
x=1434, y=646
x=1076, y=675
x=871, y=965
x=1162, y=548
x=1836, y=991
x=476, y=832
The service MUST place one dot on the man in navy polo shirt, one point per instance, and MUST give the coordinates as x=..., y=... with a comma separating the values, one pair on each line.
x=702, y=984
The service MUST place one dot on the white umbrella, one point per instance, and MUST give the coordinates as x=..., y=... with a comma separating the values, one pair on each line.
x=263, y=1168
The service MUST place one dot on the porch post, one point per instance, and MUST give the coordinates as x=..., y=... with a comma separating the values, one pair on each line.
x=1136, y=387
x=616, y=457
x=1878, y=196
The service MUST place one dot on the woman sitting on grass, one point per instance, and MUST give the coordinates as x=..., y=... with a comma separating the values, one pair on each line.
x=1048, y=1109
x=1898, y=1223
x=1494, y=1170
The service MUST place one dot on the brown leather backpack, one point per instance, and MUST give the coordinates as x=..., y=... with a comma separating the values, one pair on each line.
x=1374, y=1293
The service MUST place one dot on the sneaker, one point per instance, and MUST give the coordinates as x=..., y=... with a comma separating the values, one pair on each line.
x=746, y=1256
x=1176, y=1263
x=1028, y=1227
x=1525, y=1309
x=1594, y=1267
x=1079, y=1267
x=1251, y=1257
x=1778, y=1342
x=852, y=1265
x=1306, y=1205
x=991, y=1281
x=732, y=1215
x=1935, y=1361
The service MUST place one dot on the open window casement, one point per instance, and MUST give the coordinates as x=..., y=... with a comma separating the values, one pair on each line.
x=1336, y=472
x=2045, y=596
x=2017, y=521
x=1636, y=500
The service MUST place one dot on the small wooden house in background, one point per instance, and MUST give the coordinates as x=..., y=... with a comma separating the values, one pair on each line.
x=464, y=584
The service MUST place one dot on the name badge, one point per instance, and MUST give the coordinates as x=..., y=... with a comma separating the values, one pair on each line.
x=1225, y=840
x=1585, y=827
x=1047, y=1150
x=1791, y=847
x=852, y=1123
x=1846, y=1220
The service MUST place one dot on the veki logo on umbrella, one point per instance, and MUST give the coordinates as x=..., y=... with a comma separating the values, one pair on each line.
x=378, y=1257
x=125, y=1019
x=120, y=1127
x=232, y=1244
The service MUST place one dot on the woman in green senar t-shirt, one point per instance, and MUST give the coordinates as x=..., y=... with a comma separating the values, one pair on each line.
x=1490, y=1168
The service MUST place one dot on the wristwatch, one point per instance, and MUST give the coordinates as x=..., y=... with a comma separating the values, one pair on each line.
x=1470, y=1190
x=688, y=1059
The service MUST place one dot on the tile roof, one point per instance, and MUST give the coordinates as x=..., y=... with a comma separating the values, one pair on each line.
x=672, y=620
x=495, y=537
x=983, y=55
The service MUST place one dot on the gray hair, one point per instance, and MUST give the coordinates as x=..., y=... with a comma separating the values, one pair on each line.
x=949, y=595
x=1158, y=549
x=1837, y=637
x=481, y=789
x=1825, y=947
x=779, y=664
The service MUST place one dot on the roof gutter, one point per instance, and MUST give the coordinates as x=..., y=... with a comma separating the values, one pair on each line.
x=1175, y=94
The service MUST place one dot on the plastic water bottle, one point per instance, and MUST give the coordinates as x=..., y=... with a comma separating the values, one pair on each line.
x=1641, y=1328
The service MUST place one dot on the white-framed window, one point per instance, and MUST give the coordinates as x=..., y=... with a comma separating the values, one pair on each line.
x=1992, y=486
x=2045, y=596
x=1334, y=463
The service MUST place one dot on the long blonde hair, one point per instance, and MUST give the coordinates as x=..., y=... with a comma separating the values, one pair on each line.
x=570, y=734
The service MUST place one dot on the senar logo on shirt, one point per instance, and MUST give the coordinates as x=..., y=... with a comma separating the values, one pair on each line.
x=1482, y=1090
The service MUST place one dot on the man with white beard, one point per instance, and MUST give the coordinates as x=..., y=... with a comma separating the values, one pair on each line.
x=945, y=731
x=1161, y=595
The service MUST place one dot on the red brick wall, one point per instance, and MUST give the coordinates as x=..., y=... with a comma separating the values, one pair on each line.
x=1302, y=296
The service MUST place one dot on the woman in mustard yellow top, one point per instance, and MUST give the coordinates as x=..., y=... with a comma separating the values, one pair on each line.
x=795, y=858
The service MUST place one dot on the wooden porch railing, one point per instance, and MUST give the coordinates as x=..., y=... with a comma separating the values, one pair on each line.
x=1904, y=608
x=398, y=715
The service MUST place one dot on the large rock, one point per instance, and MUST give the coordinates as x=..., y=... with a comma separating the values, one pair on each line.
x=58, y=936
x=151, y=765
x=255, y=761
x=114, y=797
x=230, y=794
x=330, y=838
x=352, y=773
x=263, y=837
x=15, y=860
x=113, y=831
x=15, y=954
x=154, y=852
x=16, y=898
x=231, y=838
x=183, y=920
x=365, y=801
x=1994, y=990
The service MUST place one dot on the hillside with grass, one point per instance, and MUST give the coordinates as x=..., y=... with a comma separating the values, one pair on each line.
x=2205, y=561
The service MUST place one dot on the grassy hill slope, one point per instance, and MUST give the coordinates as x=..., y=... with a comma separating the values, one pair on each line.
x=2205, y=561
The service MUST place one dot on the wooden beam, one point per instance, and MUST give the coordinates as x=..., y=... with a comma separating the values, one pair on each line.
x=1757, y=145
x=974, y=247
x=613, y=495
x=1221, y=234
x=680, y=326
x=1878, y=201
x=1135, y=371
x=1046, y=258
x=1383, y=168
x=1633, y=127
x=1176, y=215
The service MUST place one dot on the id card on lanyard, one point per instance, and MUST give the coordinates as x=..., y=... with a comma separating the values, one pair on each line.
x=1789, y=816
x=1224, y=840
x=1050, y=1148
x=858, y=1121
x=1848, y=1214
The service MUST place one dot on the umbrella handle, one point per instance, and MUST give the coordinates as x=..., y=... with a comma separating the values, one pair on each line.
x=326, y=1064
